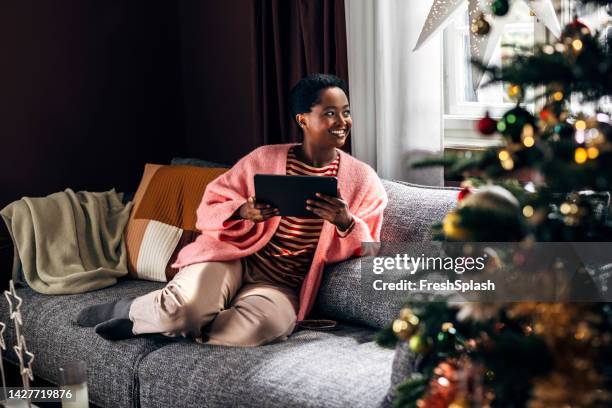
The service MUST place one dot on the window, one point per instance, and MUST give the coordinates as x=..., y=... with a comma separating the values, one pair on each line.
x=463, y=105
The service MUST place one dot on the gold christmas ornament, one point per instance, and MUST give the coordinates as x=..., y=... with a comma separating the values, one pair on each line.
x=401, y=328
x=480, y=25
x=408, y=315
x=452, y=229
x=406, y=325
x=420, y=344
x=515, y=92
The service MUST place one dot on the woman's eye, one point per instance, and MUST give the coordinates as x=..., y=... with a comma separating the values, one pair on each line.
x=347, y=113
x=330, y=113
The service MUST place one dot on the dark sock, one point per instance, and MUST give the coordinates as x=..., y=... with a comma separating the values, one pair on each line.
x=115, y=329
x=96, y=314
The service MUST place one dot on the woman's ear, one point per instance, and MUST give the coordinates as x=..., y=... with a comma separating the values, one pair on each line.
x=301, y=120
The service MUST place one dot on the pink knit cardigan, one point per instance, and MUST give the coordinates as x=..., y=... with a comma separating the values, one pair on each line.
x=223, y=239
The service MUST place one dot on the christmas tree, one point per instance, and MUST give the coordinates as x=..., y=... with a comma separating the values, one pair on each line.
x=552, y=174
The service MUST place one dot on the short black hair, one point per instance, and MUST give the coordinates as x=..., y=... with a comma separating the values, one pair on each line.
x=307, y=92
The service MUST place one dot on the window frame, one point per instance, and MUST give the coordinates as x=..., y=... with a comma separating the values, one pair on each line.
x=460, y=119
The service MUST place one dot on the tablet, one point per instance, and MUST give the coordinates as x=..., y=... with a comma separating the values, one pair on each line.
x=289, y=193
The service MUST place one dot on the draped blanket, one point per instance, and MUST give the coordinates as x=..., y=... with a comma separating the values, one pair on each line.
x=69, y=242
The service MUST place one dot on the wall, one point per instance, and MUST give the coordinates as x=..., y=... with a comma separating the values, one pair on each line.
x=90, y=91
x=218, y=80
x=93, y=90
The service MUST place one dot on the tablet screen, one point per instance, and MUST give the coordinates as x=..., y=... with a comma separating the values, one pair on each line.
x=289, y=193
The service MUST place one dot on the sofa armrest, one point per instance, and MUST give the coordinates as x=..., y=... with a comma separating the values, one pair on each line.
x=405, y=364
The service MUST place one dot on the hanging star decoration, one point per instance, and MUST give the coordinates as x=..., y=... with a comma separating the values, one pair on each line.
x=2, y=329
x=2, y=347
x=25, y=358
x=23, y=354
x=482, y=47
x=14, y=302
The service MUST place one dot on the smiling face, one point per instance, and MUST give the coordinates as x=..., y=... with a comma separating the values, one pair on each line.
x=329, y=122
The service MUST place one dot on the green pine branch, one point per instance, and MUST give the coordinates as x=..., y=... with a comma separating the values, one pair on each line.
x=588, y=74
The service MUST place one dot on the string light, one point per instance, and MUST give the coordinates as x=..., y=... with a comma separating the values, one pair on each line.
x=527, y=135
x=580, y=125
x=528, y=211
x=580, y=155
x=592, y=152
x=443, y=381
x=577, y=45
x=573, y=209
x=560, y=47
x=506, y=161
x=565, y=208
x=558, y=96
x=591, y=135
x=508, y=164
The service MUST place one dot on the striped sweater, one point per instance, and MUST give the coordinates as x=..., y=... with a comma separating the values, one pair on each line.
x=288, y=255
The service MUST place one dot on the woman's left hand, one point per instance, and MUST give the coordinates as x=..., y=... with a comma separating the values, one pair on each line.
x=332, y=209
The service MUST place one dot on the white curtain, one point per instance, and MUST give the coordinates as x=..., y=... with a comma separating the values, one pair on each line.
x=396, y=94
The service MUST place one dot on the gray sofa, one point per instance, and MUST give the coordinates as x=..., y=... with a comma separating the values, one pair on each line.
x=339, y=368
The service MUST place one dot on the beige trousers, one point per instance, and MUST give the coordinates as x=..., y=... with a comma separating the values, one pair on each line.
x=222, y=303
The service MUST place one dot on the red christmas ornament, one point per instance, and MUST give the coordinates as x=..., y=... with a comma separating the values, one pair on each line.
x=575, y=30
x=465, y=191
x=486, y=125
x=443, y=387
x=545, y=114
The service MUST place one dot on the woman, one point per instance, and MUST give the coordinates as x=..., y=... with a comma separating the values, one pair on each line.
x=252, y=275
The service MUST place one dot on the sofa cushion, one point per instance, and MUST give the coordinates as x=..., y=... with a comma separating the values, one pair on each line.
x=342, y=368
x=53, y=336
x=163, y=219
x=189, y=161
x=413, y=209
x=341, y=297
x=409, y=216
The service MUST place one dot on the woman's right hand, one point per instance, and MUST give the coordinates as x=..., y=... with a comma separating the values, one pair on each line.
x=256, y=212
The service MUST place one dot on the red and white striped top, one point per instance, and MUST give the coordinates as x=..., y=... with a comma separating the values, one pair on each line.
x=287, y=257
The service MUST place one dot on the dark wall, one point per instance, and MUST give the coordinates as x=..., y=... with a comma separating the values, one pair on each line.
x=218, y=79
x=89, y=92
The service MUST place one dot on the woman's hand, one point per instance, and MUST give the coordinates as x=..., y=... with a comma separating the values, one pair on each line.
x=332, y=209
x=256, y=212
